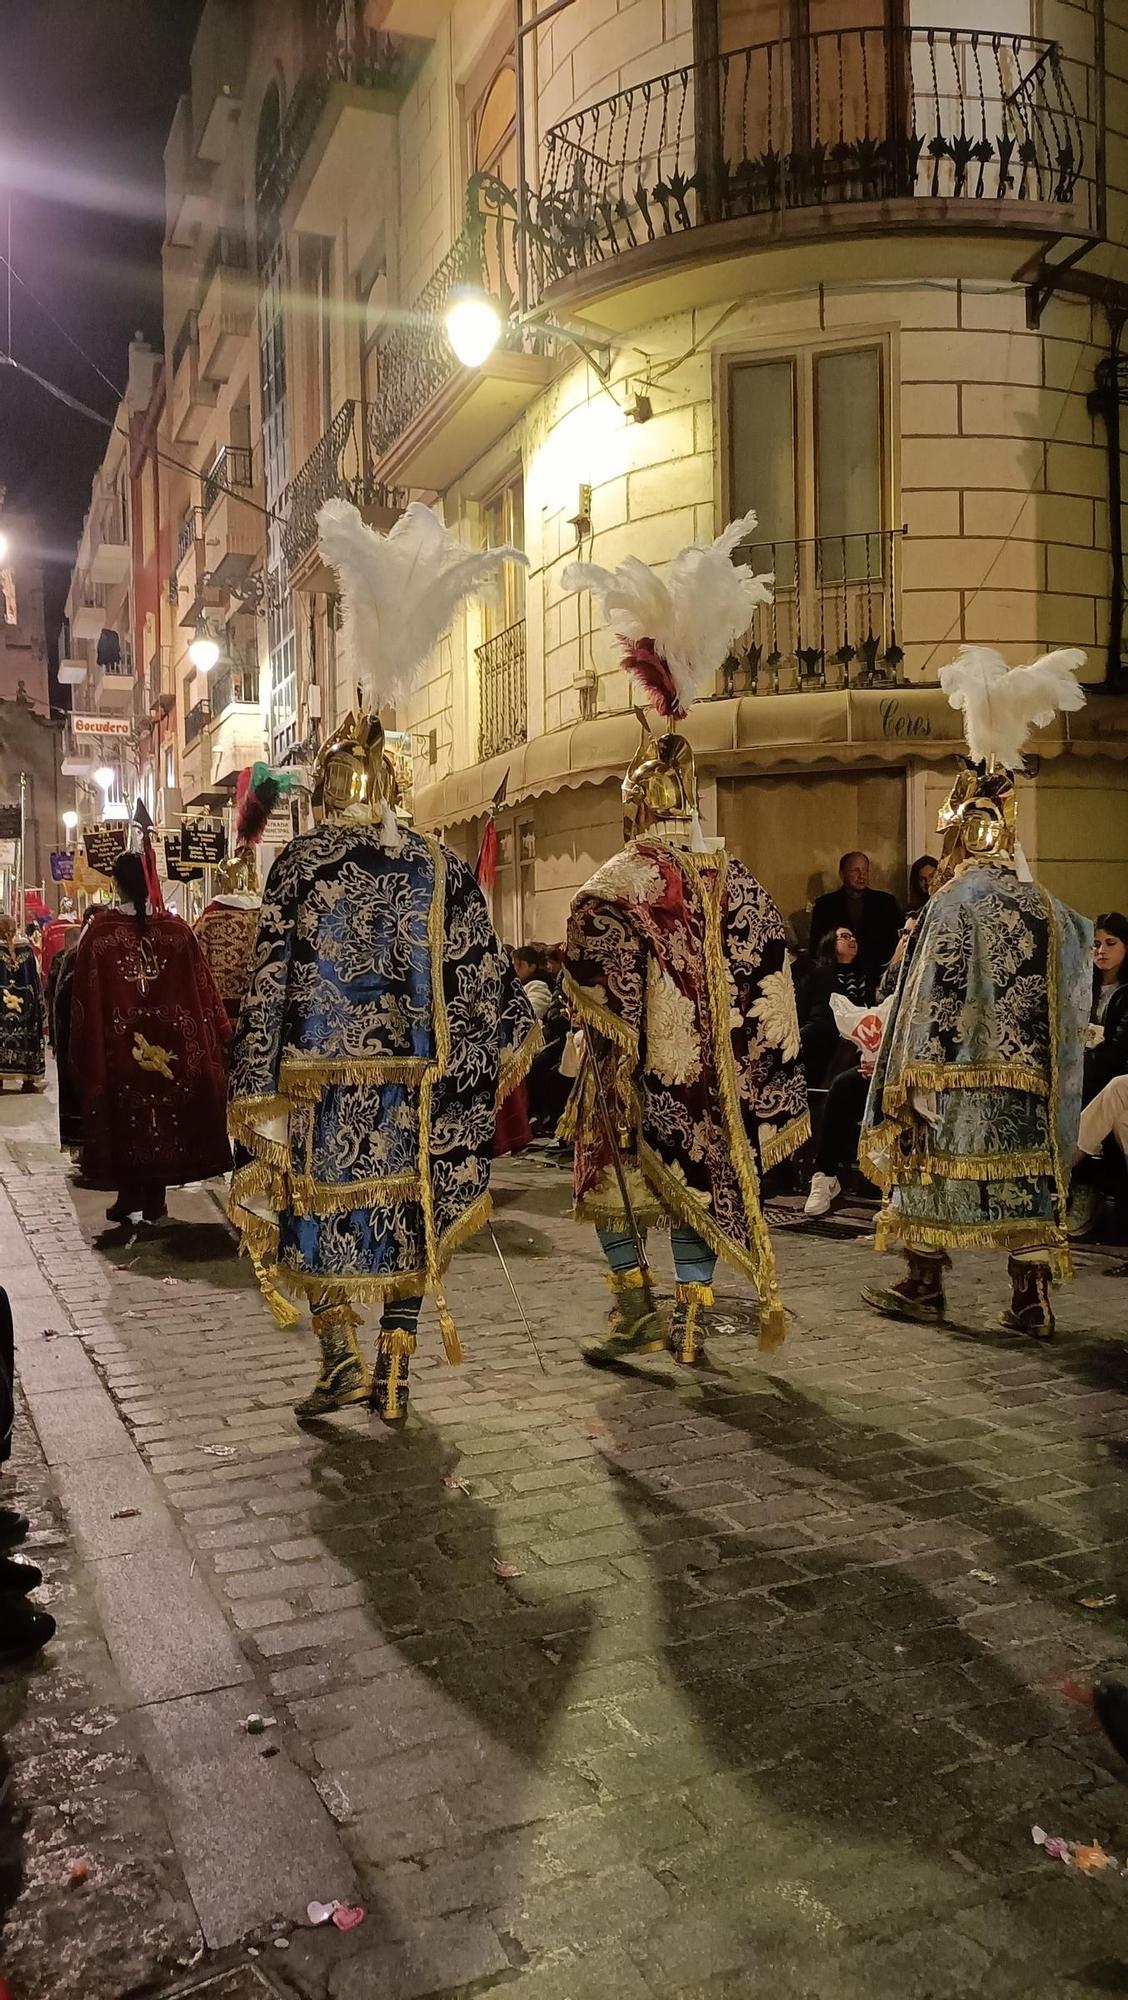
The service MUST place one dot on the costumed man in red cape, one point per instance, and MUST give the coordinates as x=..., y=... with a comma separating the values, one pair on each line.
x=145, y=1045
x=676, y=970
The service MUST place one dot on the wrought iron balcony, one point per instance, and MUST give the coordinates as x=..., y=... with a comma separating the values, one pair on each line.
x=415, y=361
x=340, y=48
x=503, y=706
x=832, y=622
x=841, y=117
x=191, y=532
x=231, y=468
x=334, y=470
x=238, y=682
x=196, y=721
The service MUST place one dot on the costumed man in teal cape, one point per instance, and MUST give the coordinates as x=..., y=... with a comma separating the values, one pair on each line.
x=382, y=1021
x=676, y=969
x=21, y=1010
x=972, y=1116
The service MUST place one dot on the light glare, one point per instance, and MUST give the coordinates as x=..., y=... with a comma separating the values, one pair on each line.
x=473, y=327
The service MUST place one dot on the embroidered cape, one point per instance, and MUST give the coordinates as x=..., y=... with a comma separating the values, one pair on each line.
x=677, y=967
x=973, y=1110
x=227, y=930
x=382, y=1026
x=145, y=1042
x=21, y=1013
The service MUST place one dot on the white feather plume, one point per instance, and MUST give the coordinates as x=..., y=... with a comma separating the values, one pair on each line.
x=399, y=591
x=693, y=616
x=1002, y=704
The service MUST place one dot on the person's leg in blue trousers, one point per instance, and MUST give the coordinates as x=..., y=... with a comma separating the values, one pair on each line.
x=636, y=1328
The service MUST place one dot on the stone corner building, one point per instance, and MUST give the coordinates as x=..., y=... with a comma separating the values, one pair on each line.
x=809, y=255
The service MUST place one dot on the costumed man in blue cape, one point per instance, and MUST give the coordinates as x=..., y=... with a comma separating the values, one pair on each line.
x=21, y=1010
x=676, y=969
x=972, y=1116
x=382, y=1022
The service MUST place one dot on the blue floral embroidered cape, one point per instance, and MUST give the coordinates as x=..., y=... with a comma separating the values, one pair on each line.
x=976, y=1095
x=381, y=1027
x=21, y=1013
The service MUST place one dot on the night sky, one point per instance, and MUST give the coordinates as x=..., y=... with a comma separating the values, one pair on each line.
x=88, y=89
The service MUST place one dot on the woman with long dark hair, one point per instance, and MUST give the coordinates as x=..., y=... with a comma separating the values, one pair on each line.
x=922, y=876
x=1106, y=1051
x=145, y=1050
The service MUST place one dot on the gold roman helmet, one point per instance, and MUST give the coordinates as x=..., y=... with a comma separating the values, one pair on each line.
x=353, y=778
x=660, y=784
x=238, y=875
x=978, y=818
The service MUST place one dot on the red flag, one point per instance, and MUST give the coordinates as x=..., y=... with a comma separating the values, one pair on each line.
x=485, y=869
x=152, y=879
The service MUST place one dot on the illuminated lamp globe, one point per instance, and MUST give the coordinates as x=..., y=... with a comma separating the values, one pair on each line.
x=104, y=776
x=473, y=325
x=70, y=821
x=204, y=649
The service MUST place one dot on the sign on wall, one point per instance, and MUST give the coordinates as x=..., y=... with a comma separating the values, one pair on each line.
x=100, y=725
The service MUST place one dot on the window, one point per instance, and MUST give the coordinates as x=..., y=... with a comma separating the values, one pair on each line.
x=806, y=436
x=503, y=520
x=493, y=150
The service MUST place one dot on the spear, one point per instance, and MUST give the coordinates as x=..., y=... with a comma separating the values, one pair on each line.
x=619, y=1169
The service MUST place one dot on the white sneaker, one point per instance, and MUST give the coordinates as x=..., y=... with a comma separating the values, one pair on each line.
x=825, y=1191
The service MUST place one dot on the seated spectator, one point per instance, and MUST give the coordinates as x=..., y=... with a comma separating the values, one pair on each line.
x=922, y=875
x=871, y=914
x=835, y=968
x=1106, y=1044
x=532, y=970
x=837, y=1150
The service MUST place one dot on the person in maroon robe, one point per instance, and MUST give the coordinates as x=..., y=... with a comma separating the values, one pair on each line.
x=146, y=1053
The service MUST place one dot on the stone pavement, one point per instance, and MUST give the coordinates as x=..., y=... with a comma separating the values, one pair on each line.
x=587, y=1685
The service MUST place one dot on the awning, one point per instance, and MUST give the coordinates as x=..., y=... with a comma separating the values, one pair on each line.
x=760, y=733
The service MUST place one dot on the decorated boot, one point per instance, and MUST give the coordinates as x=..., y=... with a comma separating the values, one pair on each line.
x=1029, y=1310
x=637, y=1328
x=390, y=1388
x=920, y=1295
x=343, y=1378
x=687, y=1338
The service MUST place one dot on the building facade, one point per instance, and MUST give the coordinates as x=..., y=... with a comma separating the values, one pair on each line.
x=861, y=273
x=23, y=637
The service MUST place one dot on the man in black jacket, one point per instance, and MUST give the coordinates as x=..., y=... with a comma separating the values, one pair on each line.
x=872, y=915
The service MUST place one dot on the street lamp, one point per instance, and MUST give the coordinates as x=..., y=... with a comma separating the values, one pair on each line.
x=70, y=821
x=104, y=776
x=473, y=325
x=204, y=649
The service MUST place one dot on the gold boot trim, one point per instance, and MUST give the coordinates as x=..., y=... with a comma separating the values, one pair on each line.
x=390, y=1388
x=687, y=1341
x=343, y=1378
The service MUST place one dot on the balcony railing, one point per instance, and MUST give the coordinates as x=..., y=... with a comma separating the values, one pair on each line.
x=334, y=470
x=852, y=115
x=502, y=698
x=196, y=721
x=191, y=531
x=832, y=622
x=237, y=683
x=232, y=468
x=415, y=359
x=339, y=49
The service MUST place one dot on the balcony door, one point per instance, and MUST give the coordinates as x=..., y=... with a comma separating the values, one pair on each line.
x=812, y=100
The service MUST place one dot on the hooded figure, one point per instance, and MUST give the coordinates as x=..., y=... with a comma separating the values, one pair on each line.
x=382, y=1022
x=676, y=969
x=973, y=1110
x=21, y=1009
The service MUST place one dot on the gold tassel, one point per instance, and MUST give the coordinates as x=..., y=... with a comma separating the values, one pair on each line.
x=452, y=1346
x=284, y=1313
x=773, y=1327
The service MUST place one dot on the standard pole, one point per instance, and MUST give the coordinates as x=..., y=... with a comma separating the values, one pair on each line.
x=22, y=878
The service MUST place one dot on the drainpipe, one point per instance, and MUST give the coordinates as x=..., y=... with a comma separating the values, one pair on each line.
x=1104, y=401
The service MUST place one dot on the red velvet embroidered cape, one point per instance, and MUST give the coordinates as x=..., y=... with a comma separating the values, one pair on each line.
x=147, y=1036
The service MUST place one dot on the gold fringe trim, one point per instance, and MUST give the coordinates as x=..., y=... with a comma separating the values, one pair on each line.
x=262, y=1236
x=987, y=1166
x=303, y=1082
x=777, y=1146
x=436, y=932
x=309, y=1197
x=512, y=1073
x=243, y=1116
x=259, y=1177
x=284, y=1313
x=589, y=1012
x=896, y=1097
x=895, y=1228
x=1060, y=1170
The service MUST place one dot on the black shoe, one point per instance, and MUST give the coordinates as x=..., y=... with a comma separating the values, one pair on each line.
x=23, y=1629
x=13, y=1527
x=119, y=1212
x=19, y=1576
x=1110, y=1700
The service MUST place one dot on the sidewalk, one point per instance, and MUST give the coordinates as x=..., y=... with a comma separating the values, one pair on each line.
x=769, y=1706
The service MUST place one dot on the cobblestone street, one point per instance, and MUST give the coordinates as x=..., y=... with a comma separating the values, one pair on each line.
x=584, y=1686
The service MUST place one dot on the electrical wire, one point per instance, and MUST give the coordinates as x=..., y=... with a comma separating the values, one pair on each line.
x=13, y=275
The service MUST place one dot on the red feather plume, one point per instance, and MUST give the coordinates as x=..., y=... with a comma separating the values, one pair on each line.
x=649, y=669
x=255, y=811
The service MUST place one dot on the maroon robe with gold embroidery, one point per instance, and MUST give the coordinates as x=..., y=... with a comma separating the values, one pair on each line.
x=146, y=1043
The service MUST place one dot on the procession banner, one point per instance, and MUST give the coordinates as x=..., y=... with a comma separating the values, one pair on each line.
x=62, y=867
x=203, y=843
x=103, y=844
